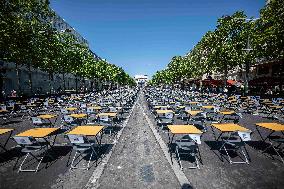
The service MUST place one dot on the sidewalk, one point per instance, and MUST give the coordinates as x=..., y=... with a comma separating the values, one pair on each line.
x=137, y=160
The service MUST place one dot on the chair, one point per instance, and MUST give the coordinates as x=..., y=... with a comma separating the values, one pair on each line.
x=38, y=122
x=82, y=146
x=104, y=120
x=236, y=142
x=112, y=109
x=91, y=116
x=64, y=111
x=276, y=143
x=187, y=146
x=165, y=120
x=69, y=121
x=30, y=146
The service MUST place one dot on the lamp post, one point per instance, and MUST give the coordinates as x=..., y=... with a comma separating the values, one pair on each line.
x=248, y=49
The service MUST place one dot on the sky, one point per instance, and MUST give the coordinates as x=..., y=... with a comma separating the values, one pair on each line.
x=142, y=36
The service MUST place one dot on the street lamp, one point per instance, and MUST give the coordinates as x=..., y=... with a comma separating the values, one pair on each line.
x=247, y=50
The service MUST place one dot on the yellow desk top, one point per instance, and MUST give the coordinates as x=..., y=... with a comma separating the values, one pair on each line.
x=78, y=115
x=47, y=116
x=184, y=129
x=193, y=112
x=276, y=107
x=31, y=105
x=208, y=107
x=227, y=112
x=86, y=130
x=192, y=102
x=110, y=114
x=4, y=111
x=181, y=107
x=71, y=108
x=3, y=131
x=95, y=107
x=229, y=127
x=37, y=132
x=272, y=126
x=164, y=111
x=158, y=107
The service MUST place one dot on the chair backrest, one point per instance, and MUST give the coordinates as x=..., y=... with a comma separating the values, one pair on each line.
x=164, y=108
x=169, y=115
x=90, y=110
x=45, y=103
x=83, y=105
x=216, y=109
x=68, y=118
x=76, y=139
x=177, y=103
x=24, y=140
x=63, y=111
x=187, y=108
x=104, y=118
x=23, y=107
x=3, y=108
x=36, y=120
x=186, y=140
x=196, y=138
x=245, y=135
x=112, y=109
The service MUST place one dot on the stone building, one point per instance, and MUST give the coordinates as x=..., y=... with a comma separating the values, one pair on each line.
x=41, y=83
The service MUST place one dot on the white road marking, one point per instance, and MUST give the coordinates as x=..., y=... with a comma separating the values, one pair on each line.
x=174, y=164
x=92, y=183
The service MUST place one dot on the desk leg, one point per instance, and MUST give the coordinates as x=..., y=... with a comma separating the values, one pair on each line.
x=259, y=133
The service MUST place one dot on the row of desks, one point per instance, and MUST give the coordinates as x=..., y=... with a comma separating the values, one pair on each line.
x=225, y=127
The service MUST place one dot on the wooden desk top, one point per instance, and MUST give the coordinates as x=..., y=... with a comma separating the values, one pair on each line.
x=37, y=132
x=164, y=111
x=71, y=108
x=227, y=112
x=110, y=114
x=78, y=115
x=47, y=116
x=272, y=126
x=184, y=129
x=229, y=127
x=3, y=131
x=208, y=107
x=158, y=107
x=193, y=112
x=86, y=130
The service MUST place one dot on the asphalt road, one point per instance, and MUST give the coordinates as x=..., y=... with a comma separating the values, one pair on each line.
x=137, y=161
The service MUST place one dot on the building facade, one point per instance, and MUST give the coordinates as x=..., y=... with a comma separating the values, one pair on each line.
x=141, y=79
x=41, y=81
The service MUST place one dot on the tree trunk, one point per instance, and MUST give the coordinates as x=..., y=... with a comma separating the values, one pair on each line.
x=225, y=75
x=76, y=83
x=247, y=77
x=1, y=84
x=18, y=79
x=50, y=80
x=63, y=78
x=30, y=80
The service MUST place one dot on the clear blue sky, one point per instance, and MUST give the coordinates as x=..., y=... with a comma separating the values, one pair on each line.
x=142, y=36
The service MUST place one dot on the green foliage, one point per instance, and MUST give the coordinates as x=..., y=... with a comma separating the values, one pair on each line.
x=28, y=37
x=227, y=46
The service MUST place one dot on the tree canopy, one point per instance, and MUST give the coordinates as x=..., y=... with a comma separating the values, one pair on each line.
x=28, y=37
x=227, y=47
